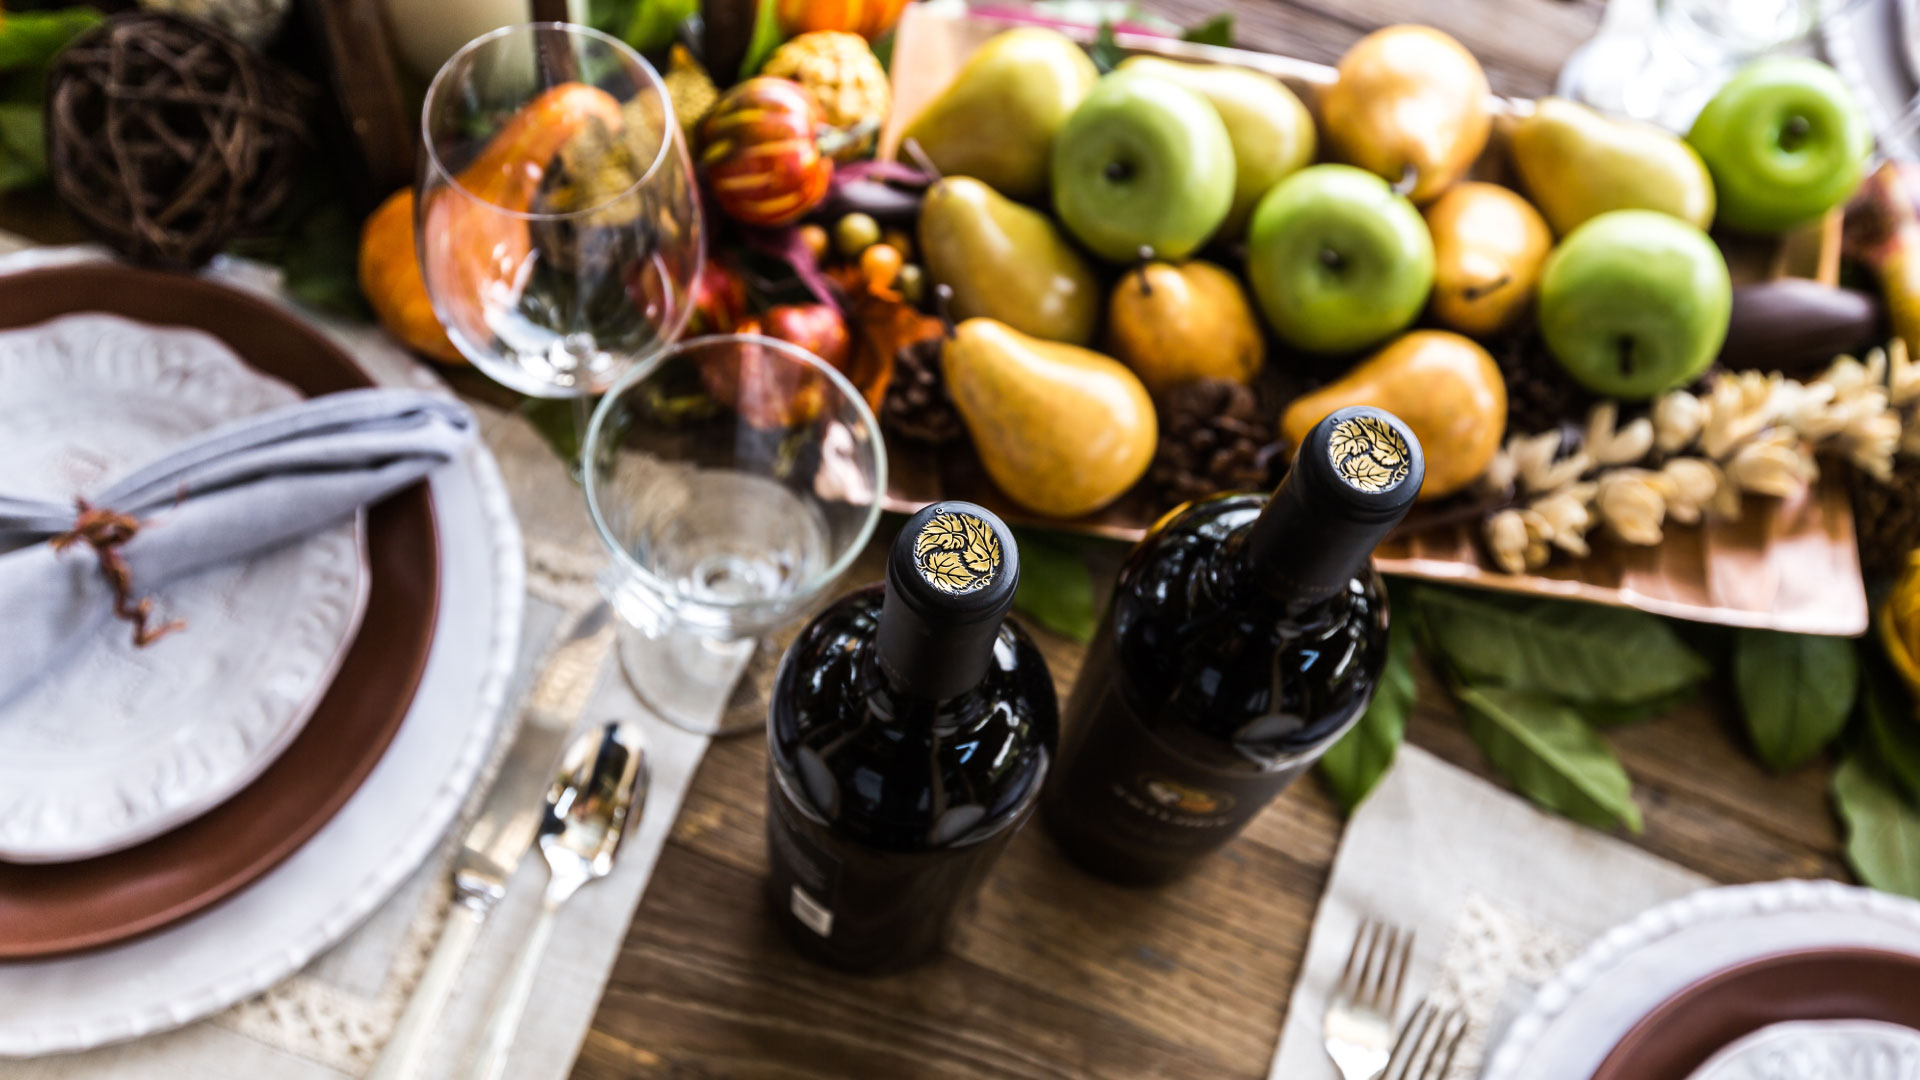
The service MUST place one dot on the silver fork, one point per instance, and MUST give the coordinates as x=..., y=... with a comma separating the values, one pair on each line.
x=1427, y=1044
x=1359, y=1024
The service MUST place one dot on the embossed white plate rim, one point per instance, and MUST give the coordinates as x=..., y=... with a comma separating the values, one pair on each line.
x=232, y=379
x=472, y=678
x=1858, y=1033
x=1653, y=927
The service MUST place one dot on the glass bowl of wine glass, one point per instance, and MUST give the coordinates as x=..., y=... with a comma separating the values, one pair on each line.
x=732, y=479
x=556, y=213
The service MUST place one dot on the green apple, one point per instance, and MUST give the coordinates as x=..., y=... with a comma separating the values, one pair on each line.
x=1337, y=260
x=1785, y=142
x=1635, y=302
x=1143, y=163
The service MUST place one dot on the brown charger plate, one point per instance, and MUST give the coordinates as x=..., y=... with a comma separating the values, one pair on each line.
x=1786, y=565
x=1688, y=1028
x=56, y=908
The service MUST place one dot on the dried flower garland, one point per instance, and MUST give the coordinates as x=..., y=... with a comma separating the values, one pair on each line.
x=1694, y=456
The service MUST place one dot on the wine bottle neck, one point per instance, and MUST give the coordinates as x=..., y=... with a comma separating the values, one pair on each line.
x=950, y=580
x=1299, y=552
x=932, y=660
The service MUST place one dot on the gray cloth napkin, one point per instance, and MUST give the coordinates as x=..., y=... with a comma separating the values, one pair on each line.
x=236, y=490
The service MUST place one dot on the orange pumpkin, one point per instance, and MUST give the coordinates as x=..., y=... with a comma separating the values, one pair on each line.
x=760, y=154
x=868, y=18
x=476, y=250
x=390, y=277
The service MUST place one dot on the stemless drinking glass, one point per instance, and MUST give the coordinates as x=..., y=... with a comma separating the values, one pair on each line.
x=732, y=478
x=556, y=214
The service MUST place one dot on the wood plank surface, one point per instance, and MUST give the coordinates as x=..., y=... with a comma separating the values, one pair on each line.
x=1056, y=974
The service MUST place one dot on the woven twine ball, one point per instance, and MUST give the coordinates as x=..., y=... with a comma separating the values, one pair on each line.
x=168, y=138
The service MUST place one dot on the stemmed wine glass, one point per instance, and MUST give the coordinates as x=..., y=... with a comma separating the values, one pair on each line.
x=732, y=479
x=556, y=211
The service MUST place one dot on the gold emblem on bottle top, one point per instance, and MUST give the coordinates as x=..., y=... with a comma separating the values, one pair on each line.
x=957, y=553
x=1368, y=453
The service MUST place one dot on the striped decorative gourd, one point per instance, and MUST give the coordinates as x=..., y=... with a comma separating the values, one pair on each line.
x=760, y=154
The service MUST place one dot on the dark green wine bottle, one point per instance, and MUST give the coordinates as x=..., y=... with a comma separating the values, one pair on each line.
x=1245, y=635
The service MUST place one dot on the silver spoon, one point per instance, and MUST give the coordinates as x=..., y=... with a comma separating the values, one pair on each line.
x=601, y=779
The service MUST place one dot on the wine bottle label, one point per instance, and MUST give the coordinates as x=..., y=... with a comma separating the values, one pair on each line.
x=815, y=873
x=1124, y=784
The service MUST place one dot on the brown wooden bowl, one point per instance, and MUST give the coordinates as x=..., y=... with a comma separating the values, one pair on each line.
x=1678, y=1037
x=54, y=908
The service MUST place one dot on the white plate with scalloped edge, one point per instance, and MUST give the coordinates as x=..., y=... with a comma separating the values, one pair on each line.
x=123, y=742
x=1580, y=1015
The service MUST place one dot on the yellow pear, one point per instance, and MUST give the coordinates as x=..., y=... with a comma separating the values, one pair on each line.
x=1409, y=99
x=1443, y=386
x=1577, y=164
x=1061, y=429
x=1488, y=247
x=996, y=120
x=1172, y=324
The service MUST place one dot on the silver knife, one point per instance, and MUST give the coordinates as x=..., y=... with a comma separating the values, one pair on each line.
x=503, y=832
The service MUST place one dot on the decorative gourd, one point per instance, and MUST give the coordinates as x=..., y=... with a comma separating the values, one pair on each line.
x=868, y=18
x=761, y=154
x=476, y=249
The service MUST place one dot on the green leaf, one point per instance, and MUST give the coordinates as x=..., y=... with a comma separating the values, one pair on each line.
x=1546, y=751
x=1215, y=31
x=554, y=420
x=31, y=38
x=1888, y=727
x=1883, y=830
x=1355, y=764
x=1106, y=52
x=1795, y=690
x=1056, y=588
x=656, y=21
x=1583, y=654
x=766, y=38
x=23, y=151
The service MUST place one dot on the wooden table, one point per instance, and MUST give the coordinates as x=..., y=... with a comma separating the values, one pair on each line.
x=1057, y=974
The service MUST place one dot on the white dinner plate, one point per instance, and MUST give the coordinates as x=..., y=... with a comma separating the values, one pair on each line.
x=123, y=742
x=1820, y=1050
x=1576, y=1020
x=277, y=925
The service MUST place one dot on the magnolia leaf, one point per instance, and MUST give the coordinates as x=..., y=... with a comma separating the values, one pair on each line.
x=31, y=38
x=1355, y=764
x=1215, y=31
x=1550, y=755
x=1795, y=690
x=1883, y=829
x=1582, y=654
x=1056, y=588
x=23, y=155
x=1888, y=727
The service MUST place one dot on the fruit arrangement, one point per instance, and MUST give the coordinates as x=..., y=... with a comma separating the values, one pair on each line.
x=1252, y=261
x=1123, y=282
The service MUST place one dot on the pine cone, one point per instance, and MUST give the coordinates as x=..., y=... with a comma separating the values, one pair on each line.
x=917, y=407
x=1887, y=516
x=1540, y=396
x=1213, y=438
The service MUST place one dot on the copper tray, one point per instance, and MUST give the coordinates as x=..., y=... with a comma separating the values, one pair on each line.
x=1679, y=1036
x=55, y=908
x=1787, y=565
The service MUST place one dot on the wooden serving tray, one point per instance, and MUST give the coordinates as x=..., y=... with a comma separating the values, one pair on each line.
x=1789, y=565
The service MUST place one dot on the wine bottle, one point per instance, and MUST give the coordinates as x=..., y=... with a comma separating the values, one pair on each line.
x=1244, y=636
x=909, y=735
